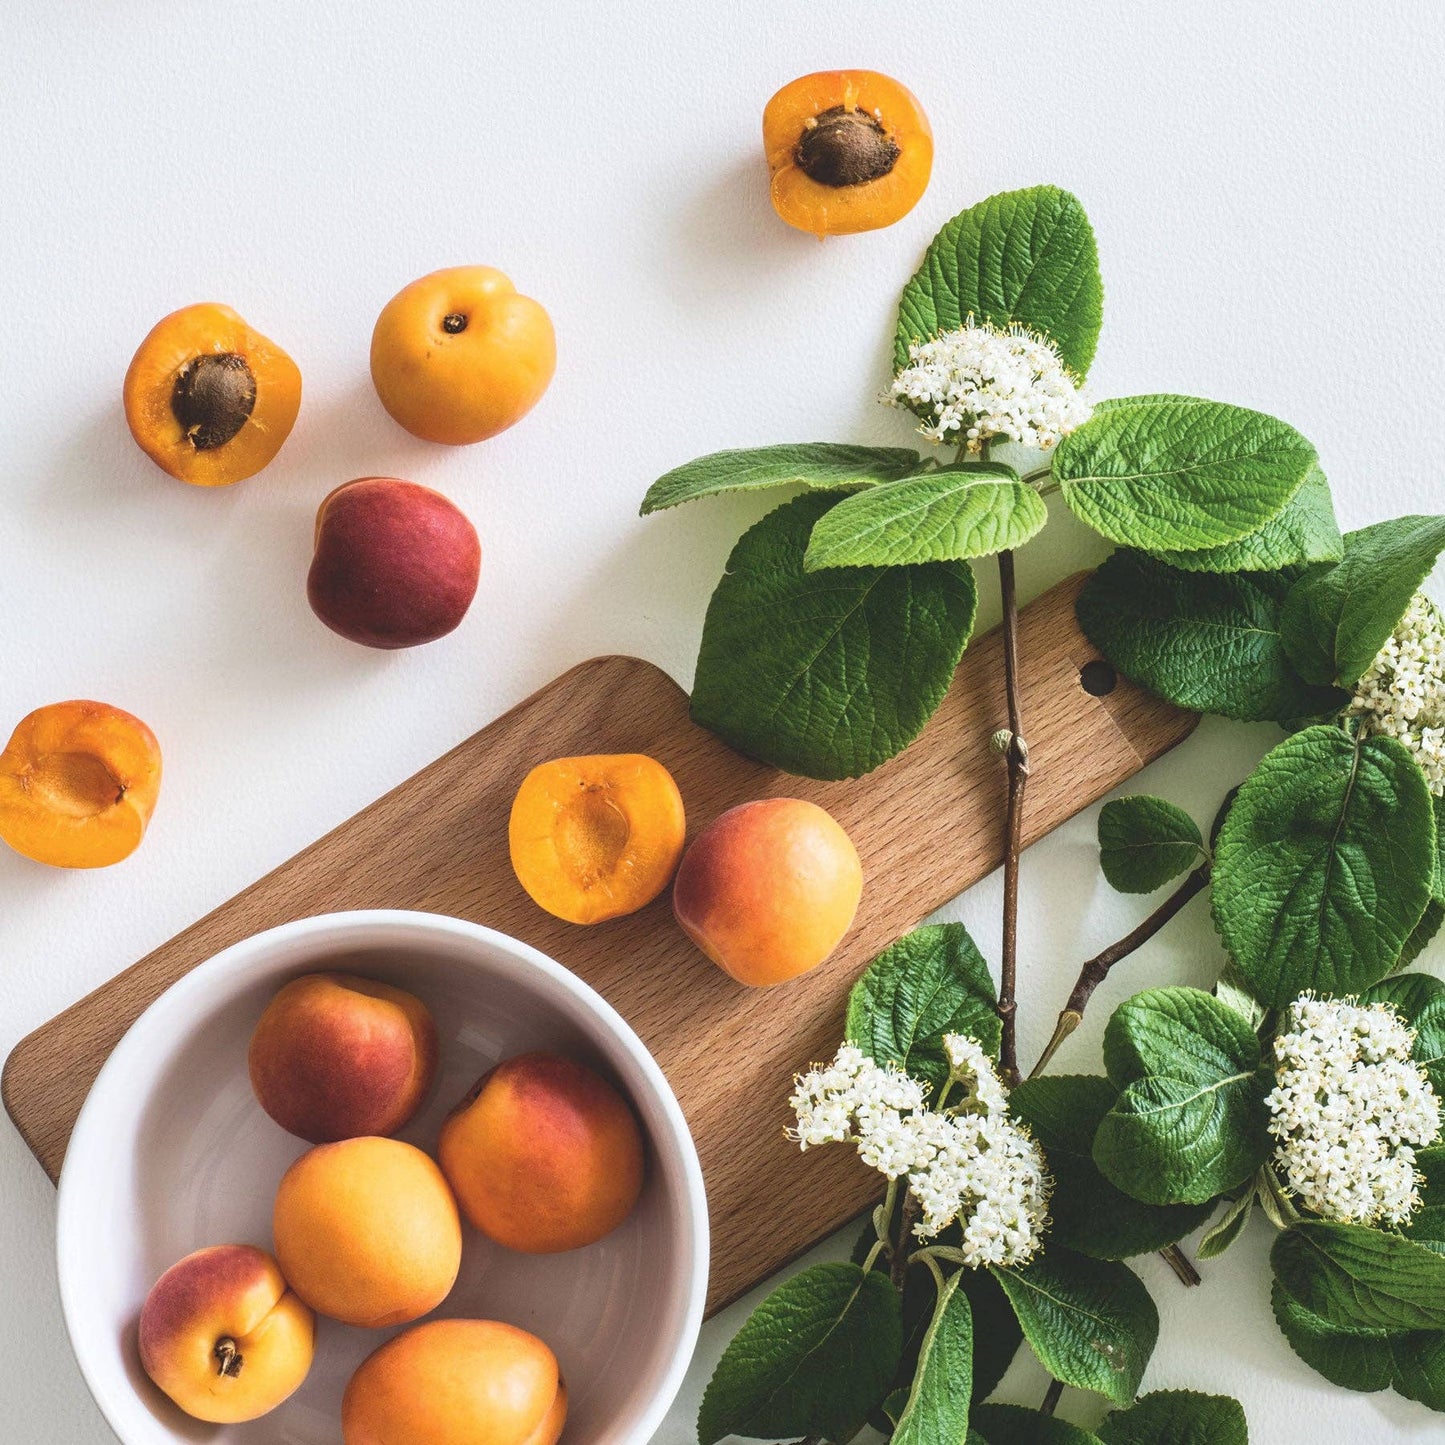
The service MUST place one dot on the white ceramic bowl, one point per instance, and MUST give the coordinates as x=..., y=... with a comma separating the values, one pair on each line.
x=172, y=1152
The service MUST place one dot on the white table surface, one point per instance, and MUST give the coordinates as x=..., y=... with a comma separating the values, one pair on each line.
x=1265, y=184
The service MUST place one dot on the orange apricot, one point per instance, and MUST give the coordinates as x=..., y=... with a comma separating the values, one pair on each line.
x=459, y=355
x=208, y=399
x=848, y=150
x=596, y=837
x=78, y=784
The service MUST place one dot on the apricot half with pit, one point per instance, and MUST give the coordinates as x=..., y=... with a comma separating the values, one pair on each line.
x=78, y=784
x=208, y=399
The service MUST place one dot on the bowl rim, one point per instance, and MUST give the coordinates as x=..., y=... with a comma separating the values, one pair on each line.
x=234, y=960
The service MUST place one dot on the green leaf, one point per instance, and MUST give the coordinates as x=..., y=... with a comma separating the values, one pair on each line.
x=1336, y=619
x=1231, y=990
x=1304, y=533
x=1177, y=474
x=1207, y=642
x=1434, y=914
x=932, y=982
x=1428, y=1222
x=1090, y=1214
x=813, y=1359
x=970, y=510
x=997, y=1333
x=1090, y=1321
x=937, y=1408
x=1027, y=256
x=1144, y=842
x=1356, y=1277
x=1190, y=1122
x=1324, y=864
x=826, y=674
x=1419, y=999
x=1018, y=1425
x=826, y=466
x=1229, y=1228
x=1177, y=1417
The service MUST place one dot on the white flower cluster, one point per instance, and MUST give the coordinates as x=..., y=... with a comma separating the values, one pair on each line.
x=970, y=1162
x=1403, y=693
x=1348, y=1109
x=980, y=384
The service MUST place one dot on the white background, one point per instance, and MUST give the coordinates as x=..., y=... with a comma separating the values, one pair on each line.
x=1265, y=184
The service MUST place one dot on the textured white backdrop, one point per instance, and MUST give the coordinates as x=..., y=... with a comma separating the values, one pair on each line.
x=1265, y=183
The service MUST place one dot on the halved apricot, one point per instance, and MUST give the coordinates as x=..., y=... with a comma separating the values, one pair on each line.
x=78, y=785
x=848, y=150
x=209, y=400
x=593, y=838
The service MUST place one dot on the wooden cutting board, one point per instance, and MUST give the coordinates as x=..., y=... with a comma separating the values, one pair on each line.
x=928, y=824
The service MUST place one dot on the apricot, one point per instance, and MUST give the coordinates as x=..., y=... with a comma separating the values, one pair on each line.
x=459, y=356
x=367, y=1232
x=78, y=784
x=544, y=1155
x=456, y=1382
x=848, y=150
x=596, y=837
x=396, y=564
x=335, y=1057
x=224, y=1337
x=209, y=400
x=768, y=890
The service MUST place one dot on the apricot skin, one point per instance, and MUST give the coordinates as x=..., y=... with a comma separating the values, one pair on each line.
x=231, y=1293
x=456, y=1382
x=367, y=1232
x=769, y=889
x=544, y=1155
x=78, y=784
x=396, y=564
x=335, y=1057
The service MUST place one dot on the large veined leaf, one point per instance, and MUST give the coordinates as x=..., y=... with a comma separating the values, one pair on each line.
x=1427, y=1223
x=1177, y=1417
x=827, y=466
x=826, y=674
x=1419, y=999
x=1027, y=256
x=1336, y=619
x=1190, y=1121
x=937, y=1408
x=1324, y=864
x=997, y=1333
x=1146, y=842
x=1208, y=642
x=1434, y=914
x=1018, y=1425
x=1180, y=474
x=948, y=515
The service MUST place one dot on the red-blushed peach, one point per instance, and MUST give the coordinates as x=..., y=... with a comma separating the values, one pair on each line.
x=224, y=1337
x=456, y=1382
x=544, y=1155
x=768, y=889
x=337, y=1057
x=367, y=1232
x=395, y=564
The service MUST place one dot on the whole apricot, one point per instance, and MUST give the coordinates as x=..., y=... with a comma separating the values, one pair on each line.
x=544, y=1155
x=456, y=1382
x=209, y=400
x=335, y=1057
x=396, y=564
x=768, y=889
x=595, y=837
x=848, y=150
x=224, y=1337
x=367, y=1232
x=459, y=355
x=78, y=784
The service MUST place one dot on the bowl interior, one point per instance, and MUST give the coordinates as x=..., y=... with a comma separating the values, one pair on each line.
x=173, y=1153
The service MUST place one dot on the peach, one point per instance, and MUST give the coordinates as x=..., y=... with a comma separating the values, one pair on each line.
x=224, y=1337
x=768, y=890
x=336, y=1057
x=544, y=1155
x=367, y=1232
x=78, y=784
x=395, y=564
x=456, y=1382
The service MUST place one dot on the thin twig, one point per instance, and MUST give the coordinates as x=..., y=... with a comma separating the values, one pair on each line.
x=907, y=1217
x=1181, y=1264
x=1051, y=1400
x=1017, y=753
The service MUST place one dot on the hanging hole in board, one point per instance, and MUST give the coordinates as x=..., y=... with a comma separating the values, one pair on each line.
x=1098, y=678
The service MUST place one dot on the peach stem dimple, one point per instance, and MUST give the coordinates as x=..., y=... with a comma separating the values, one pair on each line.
x=78, y=785
x=228, y=1358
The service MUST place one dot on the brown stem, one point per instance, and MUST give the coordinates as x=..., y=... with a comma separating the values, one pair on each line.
x=1017, y=753
x=1051, y=1400
x=907, y=1218
x=1096, y=970
x=1181, y=1264
x=228, y=1358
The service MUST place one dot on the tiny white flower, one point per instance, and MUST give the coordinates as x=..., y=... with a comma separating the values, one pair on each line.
x=982, y=383
x=1348, y=1110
